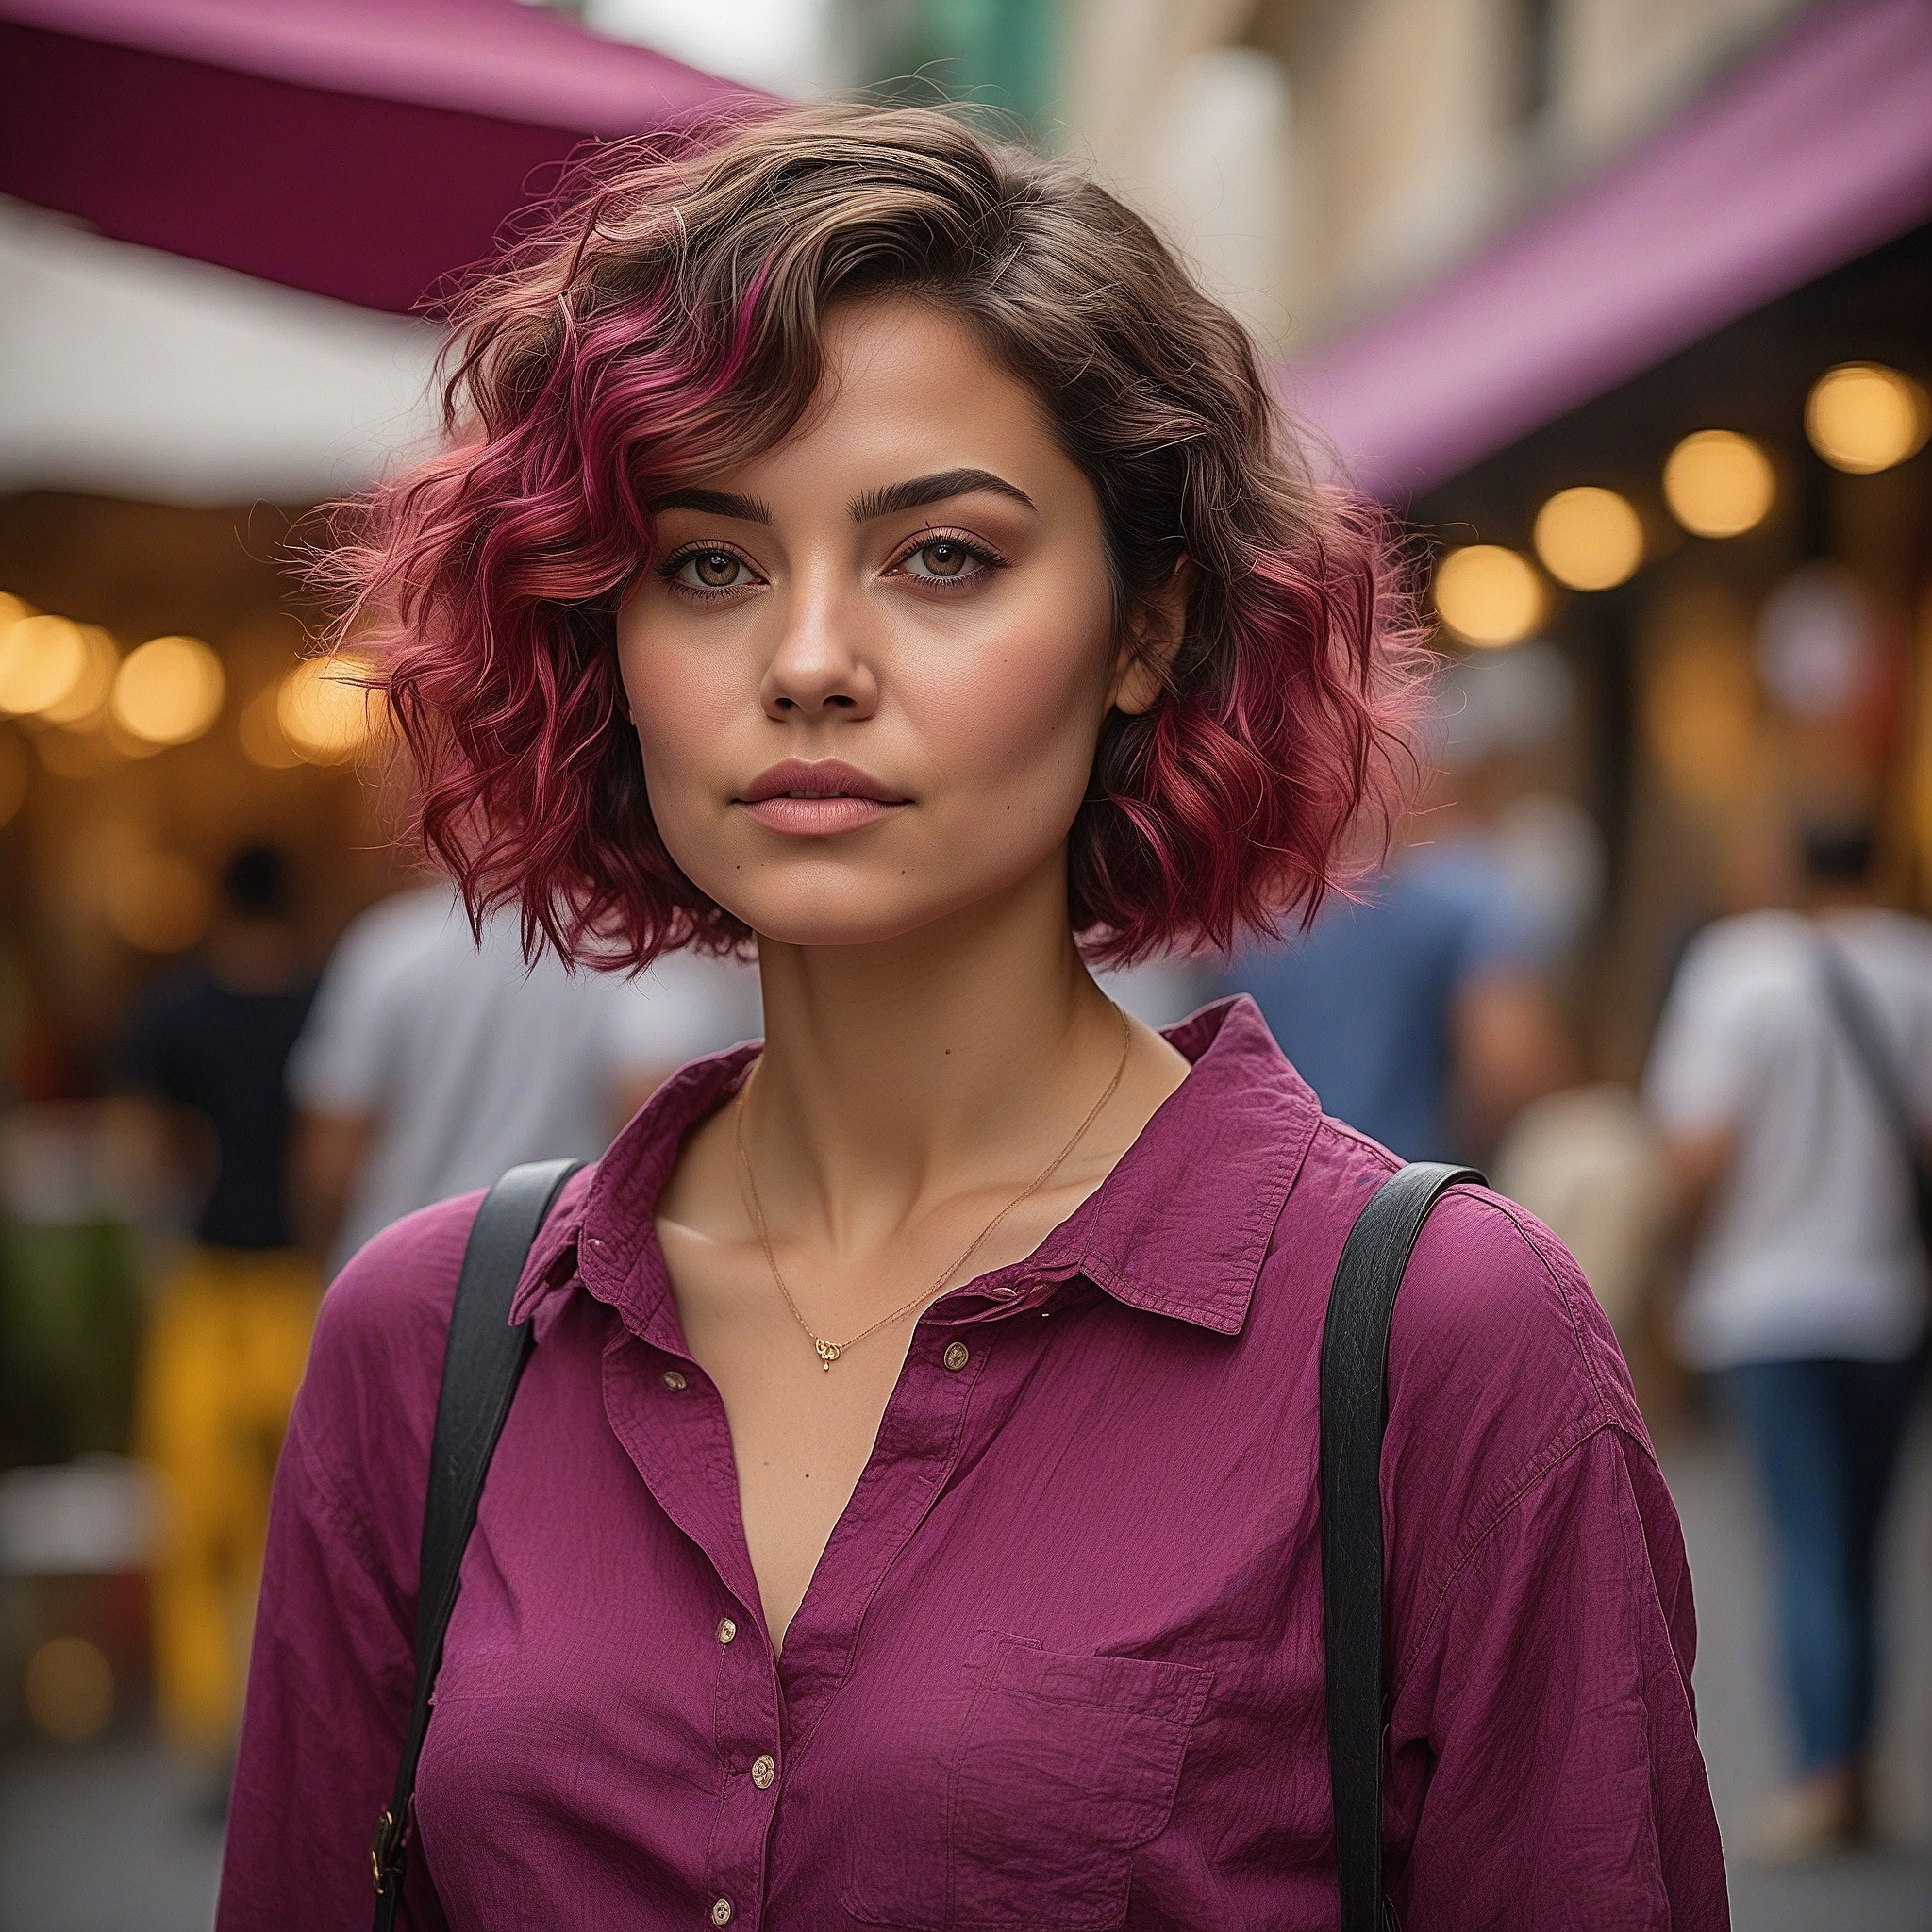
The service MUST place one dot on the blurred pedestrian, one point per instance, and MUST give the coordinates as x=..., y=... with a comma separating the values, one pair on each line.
x=1422, y=1013
x=1792, y=1073
x=229, y=1331
x=1418, y=1013
x=436, y=1058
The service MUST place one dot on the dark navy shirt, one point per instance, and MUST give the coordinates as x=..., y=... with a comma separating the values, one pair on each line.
x=1361, y=1005
x=202, y=1044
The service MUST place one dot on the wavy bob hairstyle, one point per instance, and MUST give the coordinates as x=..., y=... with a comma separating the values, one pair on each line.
x=666, y=323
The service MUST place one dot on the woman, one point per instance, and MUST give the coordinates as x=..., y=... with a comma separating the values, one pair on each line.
x=864, y=543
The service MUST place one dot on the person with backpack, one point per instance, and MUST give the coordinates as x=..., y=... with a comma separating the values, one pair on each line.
x=1793, y=1073
x=932, y=1485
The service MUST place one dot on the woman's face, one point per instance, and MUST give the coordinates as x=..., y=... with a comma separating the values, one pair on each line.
x=869, y=669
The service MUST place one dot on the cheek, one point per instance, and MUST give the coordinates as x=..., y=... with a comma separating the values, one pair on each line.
x=1025, y=718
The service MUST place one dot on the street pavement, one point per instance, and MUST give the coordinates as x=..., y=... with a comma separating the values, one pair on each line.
x=116, y=1839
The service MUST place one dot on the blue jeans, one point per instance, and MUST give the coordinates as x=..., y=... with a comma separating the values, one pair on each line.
x=1827, y=1435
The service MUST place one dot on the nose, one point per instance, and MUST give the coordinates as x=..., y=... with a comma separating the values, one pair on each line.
x=820, y=667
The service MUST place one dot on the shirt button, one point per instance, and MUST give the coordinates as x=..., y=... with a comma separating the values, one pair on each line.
x=957, y=1355
x=673, y=1379
x=763, y=1770
x=726, y=1629
x=721, y=1911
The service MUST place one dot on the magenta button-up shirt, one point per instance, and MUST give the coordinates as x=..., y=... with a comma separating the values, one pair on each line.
x=1060, y=1663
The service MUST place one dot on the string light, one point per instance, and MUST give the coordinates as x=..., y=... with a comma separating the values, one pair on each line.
x=1863, y=417
x=1489, y=595
x=42, y=662
x=1719, y=483
x=325, y=710
x=1589, y=538
x=169, y=692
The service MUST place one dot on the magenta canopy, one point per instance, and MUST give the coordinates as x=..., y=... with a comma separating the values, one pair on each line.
x=358, y=148
x=1813, y=153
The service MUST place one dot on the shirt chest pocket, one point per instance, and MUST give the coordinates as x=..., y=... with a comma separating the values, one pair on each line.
x=1063, y=1765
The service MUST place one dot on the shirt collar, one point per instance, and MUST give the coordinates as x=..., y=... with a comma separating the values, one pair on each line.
x=1180, y=1228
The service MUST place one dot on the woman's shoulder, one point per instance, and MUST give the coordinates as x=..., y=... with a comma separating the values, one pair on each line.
x=367, y=1400
x=1500, y=1357
x=388, y=1311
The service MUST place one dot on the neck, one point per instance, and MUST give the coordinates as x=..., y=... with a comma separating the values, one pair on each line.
x=949, y=1058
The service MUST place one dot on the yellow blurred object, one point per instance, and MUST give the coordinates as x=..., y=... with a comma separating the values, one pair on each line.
x=12, y=775
x=1488, y=596
x=326, y=711
x=86, y=704
x=69, y=1688
x=1589, y=538
x=156, y=902
x=1863, y=417
x=42, y=662
x=169, y=690
x=259, y=728
x=12, y=609
x=223, y=1355
x=1719, y=483
x=1702, y=713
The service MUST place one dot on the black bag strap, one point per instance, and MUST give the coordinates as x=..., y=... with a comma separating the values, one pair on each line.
x=482, y=1362
x=1858, y=1021
x=1354, y=1412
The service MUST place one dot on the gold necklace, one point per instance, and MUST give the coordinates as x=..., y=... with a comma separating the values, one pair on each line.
x=829, y=1351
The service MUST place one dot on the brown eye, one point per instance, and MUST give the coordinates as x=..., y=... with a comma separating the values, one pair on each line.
x=716, y=570
x=942, y=558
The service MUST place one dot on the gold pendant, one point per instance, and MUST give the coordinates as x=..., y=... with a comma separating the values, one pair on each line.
x=829, y=1351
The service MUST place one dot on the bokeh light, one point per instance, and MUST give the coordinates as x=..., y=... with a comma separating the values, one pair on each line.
x=1489, y=595
x=169, y=692
x=1863, y=417
x=326, y=711
x=69, y=1690
x=42, y=662
x=1719, y=483
x=86, y=704
x=1589, y=538
x=157, y=901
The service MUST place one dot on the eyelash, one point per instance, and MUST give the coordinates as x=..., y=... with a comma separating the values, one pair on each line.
x=980, y=553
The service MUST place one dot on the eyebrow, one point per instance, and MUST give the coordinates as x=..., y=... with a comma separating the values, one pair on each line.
x=716, y=503
x=890, y=500
x=919, y=490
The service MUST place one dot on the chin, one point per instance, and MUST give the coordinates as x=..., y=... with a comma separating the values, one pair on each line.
x=851, y=917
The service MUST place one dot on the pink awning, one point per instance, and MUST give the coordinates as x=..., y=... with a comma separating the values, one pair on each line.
x=360, y=148
x=1811, y=153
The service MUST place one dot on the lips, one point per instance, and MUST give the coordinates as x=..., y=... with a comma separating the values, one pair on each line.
x=816, y=797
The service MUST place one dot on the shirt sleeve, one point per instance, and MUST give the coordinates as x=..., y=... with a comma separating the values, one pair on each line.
x=1703, y=1062
x=333, y=1665
x=342, y=1063
x=1548, y=1722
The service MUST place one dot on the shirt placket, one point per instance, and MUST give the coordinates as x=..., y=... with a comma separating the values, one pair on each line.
x=670, y=1419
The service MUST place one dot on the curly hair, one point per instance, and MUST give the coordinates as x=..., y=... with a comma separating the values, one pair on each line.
x=665, y=321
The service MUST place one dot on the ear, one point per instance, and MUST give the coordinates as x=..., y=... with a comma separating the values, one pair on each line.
x=1153, y=636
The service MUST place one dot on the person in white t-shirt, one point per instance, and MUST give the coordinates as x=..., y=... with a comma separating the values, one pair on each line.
x=432, y=1062
x=1808, y=1286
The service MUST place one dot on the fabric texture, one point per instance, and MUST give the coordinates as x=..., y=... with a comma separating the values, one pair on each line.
x=204, y=1045
x=1827, y=1437
x=1062, y=1661
x=1811, y=1248
x=471, y=1059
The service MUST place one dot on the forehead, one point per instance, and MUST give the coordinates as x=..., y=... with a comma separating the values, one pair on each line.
x=909, y=388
